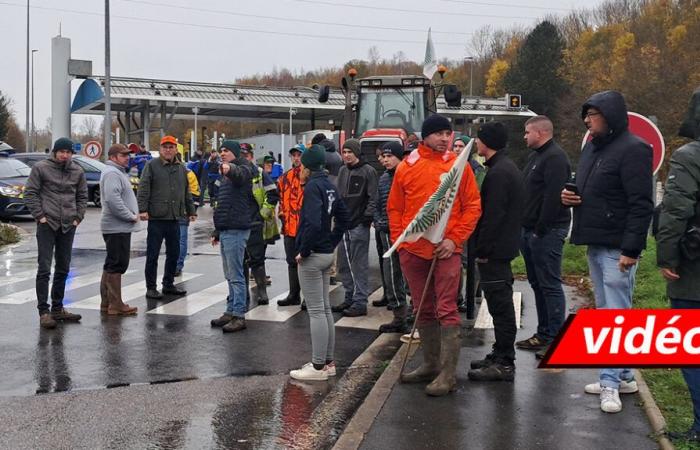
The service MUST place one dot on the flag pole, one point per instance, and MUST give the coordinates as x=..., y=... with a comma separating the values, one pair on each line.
x=420, y=306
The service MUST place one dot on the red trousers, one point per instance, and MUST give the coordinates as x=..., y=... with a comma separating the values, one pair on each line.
x=440, y=302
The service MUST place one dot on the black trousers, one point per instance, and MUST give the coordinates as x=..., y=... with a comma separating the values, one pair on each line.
x=497, y=283
x=52, y=243
x=118, y=252
x=158, y=231
x=255, y=248
x=290, y=251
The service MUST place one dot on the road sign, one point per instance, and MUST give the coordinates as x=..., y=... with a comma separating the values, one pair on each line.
x=645, y=129
x=92, y=149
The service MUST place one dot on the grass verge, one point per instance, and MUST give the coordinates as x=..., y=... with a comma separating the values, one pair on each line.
x=666, y=385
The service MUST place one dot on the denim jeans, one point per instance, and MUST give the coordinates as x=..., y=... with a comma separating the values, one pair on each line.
x=542, y=255
x=691, y=375
x=314, y=277
x=353, y=265
x=612, y=290
x=52, y=243
x=159, y=230
x=184, y=227
x=233, y=243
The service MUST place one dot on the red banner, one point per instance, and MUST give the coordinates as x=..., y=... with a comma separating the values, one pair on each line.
x=627, y=338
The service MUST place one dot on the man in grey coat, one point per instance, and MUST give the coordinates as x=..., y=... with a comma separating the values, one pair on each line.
x=164, y=197
x=120, y=216
x=56, y=195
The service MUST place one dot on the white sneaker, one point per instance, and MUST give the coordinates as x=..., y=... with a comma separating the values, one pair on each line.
x=330, y=369
x=407, y=336
x=610, y=400
x=626, y=387
x=308, y=373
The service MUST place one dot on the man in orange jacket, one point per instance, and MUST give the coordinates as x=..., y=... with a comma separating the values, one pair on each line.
x=416, y=179
x=291, y=196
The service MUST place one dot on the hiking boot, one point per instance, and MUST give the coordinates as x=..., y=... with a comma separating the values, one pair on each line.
x=532, y=343
x=610, y=400
x=221, y=321
x=63, y=315
x=173, y=290
x=382, y=302
x=407, y=337
x=539, y=354
x=260, y=292
x=104, y=292
x=398, y=325
x=116, y=306
x=355, y=312
x=154, y=294
x=289, y=301
x=309, y=373
x=430, y=336
x=626, y=387
x=450, y=345
x=481, y=363
x=342, y=307
x=47, y=322
x=494, y=372
x=236, y=324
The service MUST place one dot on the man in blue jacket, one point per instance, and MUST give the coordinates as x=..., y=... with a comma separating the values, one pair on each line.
x=612, y=211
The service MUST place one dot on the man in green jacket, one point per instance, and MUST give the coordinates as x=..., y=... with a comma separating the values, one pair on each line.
x=680, y=215
x=163, y=198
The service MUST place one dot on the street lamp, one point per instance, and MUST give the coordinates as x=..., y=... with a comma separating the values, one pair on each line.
x=471, y=60
x=26, y=121
x=33, y=146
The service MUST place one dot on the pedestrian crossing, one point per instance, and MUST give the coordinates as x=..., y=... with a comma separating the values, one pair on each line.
x=484, y=319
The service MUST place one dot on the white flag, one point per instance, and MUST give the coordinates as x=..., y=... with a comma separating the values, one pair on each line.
x=430, y=64
x=431, y=221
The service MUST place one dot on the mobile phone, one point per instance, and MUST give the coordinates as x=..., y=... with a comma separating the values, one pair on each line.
x=571, y=187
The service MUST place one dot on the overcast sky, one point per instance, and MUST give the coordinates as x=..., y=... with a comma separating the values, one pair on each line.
x=219, y=40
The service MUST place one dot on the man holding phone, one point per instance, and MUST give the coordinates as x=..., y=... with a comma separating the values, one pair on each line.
x=545, y=226
x=612, y=211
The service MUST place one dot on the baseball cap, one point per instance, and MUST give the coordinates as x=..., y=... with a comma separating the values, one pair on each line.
x=168, y=140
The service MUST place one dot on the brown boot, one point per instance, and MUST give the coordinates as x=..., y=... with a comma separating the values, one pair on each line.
x=47, y=322
x=450, y=346
x=104, y=293
x=116, y=306
x=430, y=339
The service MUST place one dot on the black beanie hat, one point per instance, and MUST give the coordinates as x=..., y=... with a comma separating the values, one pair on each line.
x=314, y=158
x=393, y=148
x=318, y=138
x=62, y=144
x=353, y=145
x=433, y=124
x=232, y=146
x=494, y=135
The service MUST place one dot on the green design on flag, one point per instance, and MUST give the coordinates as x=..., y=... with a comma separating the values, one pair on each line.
x=430, y=64
x=431, y=221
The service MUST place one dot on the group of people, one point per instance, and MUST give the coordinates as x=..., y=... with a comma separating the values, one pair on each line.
x=328, y=200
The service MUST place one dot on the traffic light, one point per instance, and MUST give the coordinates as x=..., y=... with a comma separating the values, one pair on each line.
x=514, y=100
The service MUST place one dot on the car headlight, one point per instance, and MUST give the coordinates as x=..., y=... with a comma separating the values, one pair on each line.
x=10, y=191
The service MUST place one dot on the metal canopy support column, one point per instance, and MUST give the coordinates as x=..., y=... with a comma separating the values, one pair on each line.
x=163, y=124
x=146, y=122
x=313, y=119
x=127, y=128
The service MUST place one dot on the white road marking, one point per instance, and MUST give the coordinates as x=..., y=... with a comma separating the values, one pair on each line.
x=484, y=319
x=375, y=315
x=195, y=302
x=274, y=313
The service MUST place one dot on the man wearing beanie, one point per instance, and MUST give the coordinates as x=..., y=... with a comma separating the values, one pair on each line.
x=438, y=321
x=164, y=197
x=497, y=244
x=333, y=160
x=232, y=223
x=392, y=277
x=291, y=196
x=357, y=186
x=56, y=196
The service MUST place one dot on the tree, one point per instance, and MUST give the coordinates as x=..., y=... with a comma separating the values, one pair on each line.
x=535, y=70
x=5, y=116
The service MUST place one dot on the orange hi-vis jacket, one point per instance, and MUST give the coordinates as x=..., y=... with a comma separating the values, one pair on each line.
x=415, y=180
x=291, y=196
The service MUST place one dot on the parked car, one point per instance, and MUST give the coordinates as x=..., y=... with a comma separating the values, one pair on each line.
x=92, y=168
x=13, y=178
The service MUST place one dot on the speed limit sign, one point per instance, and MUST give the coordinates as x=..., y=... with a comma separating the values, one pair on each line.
x=92, y=149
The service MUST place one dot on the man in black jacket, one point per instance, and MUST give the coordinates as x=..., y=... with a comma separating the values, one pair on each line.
x=497, y=239
x=545, y=226
x=612, y=211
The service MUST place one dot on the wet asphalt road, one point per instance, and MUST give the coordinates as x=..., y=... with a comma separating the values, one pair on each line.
x=162, y=379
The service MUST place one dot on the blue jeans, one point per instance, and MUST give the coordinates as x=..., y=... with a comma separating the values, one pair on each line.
x=184, y=226
x=233, y=243
x=542, y=256
x=691, y=375
x=612, y=290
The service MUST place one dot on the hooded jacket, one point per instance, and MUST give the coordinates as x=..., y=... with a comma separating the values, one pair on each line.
x=236, y=207
x=357, y=186
x=614, y=180
x=58, y=192
x=680, y=208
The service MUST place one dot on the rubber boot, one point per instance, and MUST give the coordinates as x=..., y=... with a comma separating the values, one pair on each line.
x=294, y=296
x=451, y=343
x=260, y=285
x=104, y=292
x=116, y=306
x=430, y=339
